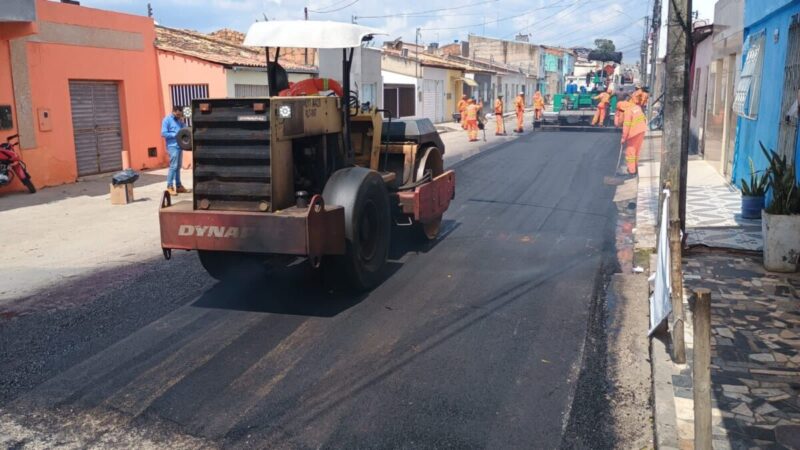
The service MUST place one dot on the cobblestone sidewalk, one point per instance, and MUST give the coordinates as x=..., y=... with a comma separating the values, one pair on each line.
x=755, y=367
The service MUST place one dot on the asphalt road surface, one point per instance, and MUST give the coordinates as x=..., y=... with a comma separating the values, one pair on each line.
x=473, y=341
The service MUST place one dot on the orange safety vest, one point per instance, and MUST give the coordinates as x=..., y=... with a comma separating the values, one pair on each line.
x=538, y=101
x=498, y=107
x=462, y=104
x=602, y=99
x=634, y=122
x=519, y=104
x=472, y=112
x=621, y=107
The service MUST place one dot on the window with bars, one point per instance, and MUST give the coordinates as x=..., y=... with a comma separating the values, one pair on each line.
x=250, y=90
x=183, y=94
x=746, y=99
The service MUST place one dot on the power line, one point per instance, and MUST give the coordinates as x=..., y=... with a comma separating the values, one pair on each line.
x=331, y=5
x=607, y=33
x=562, y=10
x=417, y=13
x=498, y=20
x=334, y=10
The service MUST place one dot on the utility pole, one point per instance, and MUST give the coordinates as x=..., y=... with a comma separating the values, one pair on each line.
x=654, y=37
x=416, y=52
x=675, y=150
x=645, y=48
x=305, y=13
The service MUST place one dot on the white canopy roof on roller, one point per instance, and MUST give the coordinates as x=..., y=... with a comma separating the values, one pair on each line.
x=307, y=34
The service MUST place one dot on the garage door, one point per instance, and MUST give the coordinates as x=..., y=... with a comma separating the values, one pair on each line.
x=96, y=126
x=433, y=100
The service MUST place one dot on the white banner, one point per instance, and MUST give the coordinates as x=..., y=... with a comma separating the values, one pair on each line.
x=660, y=304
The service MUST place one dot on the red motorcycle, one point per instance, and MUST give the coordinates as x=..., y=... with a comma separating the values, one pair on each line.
x=11, y=165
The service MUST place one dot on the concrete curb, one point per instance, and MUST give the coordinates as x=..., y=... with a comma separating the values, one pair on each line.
x=665, y=425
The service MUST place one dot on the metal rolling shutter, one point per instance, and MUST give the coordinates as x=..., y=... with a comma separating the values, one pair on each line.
x=96, y=126
x=429, y=99
x=439, y=93
x=183, y=94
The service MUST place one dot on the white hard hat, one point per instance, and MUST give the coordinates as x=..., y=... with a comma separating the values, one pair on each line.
x=521, y=93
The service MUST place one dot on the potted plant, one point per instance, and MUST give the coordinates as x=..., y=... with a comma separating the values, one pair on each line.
x=781, y=218
x=753, y=193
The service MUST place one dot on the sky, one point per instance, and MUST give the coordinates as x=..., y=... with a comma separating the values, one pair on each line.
x=567, y=23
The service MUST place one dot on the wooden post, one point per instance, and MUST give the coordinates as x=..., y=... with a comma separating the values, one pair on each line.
x=676, y=278
x=701, y=369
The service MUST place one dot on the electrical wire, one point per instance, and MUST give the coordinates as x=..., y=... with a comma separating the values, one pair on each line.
x=417, y=13
x=331, y=5
x=608, y=33
x=334, y=10
x=524, y=13
x=562, y=10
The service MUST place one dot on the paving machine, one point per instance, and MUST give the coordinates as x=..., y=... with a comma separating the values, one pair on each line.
x=575, y=111
x=305, y=174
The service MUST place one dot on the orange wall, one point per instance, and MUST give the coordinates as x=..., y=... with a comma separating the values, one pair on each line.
x=6, y=88
x=182, y=69
x=51, y=66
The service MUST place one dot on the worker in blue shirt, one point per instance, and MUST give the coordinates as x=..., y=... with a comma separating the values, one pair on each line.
x=169, y=129
x=572, y=88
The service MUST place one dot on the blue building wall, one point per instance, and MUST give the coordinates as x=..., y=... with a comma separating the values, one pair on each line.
x=764, y=15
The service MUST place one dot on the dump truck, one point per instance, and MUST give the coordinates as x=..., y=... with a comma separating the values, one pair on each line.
x=304, y=174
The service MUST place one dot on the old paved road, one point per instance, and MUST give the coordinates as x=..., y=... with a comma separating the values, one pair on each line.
x=474, y=341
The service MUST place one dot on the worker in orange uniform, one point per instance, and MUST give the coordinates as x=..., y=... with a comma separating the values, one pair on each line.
x=471, y=113
x=603, y=100
x=639, y=96
x=462, y=107
x=538, y=105
x=622, y=105
x=500, y=127
x=634, y=125
x=519, y=106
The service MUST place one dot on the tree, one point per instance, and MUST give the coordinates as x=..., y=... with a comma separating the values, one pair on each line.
x=605, y=45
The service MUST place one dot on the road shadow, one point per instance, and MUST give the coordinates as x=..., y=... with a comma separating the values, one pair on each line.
x=299, y=289
x=90, y=187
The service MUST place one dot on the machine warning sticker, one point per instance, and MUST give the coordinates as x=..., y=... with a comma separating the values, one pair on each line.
x=252, y=118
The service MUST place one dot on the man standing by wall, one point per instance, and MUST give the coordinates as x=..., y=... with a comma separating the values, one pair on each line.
x=169, y=130
x=519, y=106
x=500, y=127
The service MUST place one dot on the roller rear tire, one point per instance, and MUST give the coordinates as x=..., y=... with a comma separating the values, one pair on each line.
x=226, y=265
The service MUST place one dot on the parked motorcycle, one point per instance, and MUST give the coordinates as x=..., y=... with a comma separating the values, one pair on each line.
x=11, y=165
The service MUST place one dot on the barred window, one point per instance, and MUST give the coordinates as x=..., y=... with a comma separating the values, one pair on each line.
x=747, y=95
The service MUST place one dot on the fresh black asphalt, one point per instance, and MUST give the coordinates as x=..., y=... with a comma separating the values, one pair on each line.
x=472, y=341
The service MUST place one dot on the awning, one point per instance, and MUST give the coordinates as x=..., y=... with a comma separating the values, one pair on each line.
x=469, y=82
